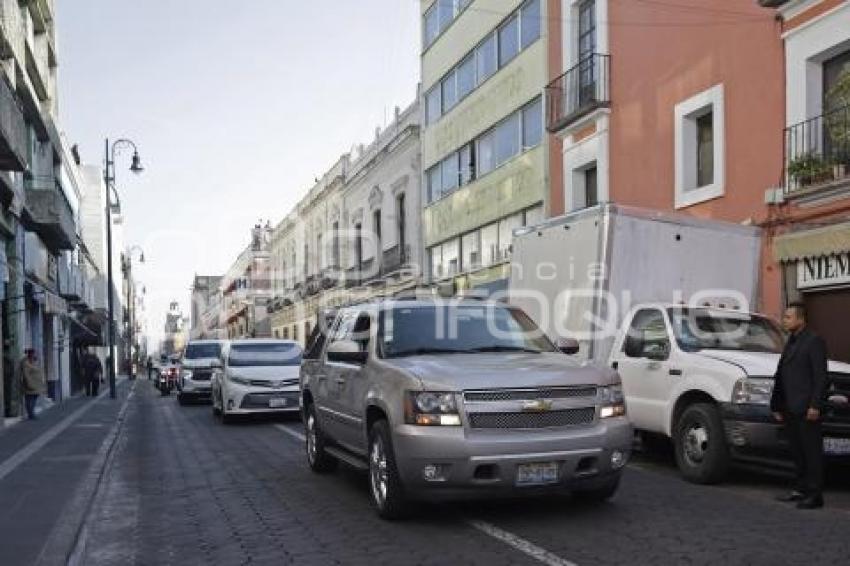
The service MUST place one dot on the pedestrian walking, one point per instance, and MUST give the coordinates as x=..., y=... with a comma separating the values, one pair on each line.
x=150, y=367
x=93, y=372
x=797, y=401
x=32, y=381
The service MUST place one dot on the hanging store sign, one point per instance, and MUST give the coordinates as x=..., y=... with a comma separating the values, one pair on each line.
x=823, y=271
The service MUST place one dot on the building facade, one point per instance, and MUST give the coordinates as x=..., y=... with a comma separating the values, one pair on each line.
x=246, y=289
x=355, y=235
x=206, y=308
x=808, y=230
x=484, y=152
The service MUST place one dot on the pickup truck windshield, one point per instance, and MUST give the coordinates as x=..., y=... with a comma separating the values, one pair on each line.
x=202, y=351
x=254, y=355
x=704, y=329
x=461, y=329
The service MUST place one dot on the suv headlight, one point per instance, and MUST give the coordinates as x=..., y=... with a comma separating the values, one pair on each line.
x=612, y=401
x=431, y=408
x=187, y=375
x=240, y=380
x=753, y=391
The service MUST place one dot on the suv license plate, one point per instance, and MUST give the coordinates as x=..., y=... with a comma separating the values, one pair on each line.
x=277, y=402
x=836, y=446
x=537, y=474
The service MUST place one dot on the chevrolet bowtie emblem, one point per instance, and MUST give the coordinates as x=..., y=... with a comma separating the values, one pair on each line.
x=537, y=406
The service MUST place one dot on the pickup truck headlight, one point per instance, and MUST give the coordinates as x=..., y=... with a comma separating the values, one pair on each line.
x=612, y=401
x=431, y=408
x=753, y=391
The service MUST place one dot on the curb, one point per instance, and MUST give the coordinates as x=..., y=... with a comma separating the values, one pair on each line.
x=66, y=544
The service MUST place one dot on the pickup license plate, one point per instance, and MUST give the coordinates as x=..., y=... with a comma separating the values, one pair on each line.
x=836, y=446
x=537, y=474
x=278, y=402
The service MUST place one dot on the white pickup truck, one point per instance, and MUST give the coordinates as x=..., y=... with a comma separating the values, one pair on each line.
x=703, y=377
x=616, y=279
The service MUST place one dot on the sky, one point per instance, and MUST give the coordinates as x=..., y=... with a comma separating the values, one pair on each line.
x=236, y=107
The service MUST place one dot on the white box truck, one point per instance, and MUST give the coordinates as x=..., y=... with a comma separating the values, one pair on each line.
x=664, y=299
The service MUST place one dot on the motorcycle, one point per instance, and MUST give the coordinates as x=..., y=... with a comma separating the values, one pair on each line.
x=167, y=380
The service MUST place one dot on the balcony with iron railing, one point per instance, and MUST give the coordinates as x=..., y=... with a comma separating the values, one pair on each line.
x=817, y=153
x=48, y=213
x=578, y=92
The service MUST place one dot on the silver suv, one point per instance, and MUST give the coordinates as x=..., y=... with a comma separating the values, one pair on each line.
x=444, y=399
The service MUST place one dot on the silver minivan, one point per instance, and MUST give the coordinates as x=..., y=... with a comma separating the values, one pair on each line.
x=442, y=399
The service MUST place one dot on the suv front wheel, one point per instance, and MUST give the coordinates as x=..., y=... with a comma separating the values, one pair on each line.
x=700, y=442
x=384, y=481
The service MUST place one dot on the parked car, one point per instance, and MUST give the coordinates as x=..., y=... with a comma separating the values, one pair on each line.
x=703, y=377
x=256, y=376
x=196, y=370
x=442, y=401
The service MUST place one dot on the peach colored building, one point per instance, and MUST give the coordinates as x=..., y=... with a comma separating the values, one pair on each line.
x=671, y=105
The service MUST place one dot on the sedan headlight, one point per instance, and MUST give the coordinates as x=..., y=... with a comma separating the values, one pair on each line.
x=612, y=401
x=240, y=380
x=431, y=408
x=753, y=391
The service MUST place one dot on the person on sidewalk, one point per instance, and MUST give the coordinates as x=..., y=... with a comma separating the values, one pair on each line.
x=32, y=382
x=150, y=367
x=93, y=372
x=797, y=401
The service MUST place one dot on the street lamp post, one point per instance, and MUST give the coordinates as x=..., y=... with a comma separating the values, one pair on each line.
x=109, y=180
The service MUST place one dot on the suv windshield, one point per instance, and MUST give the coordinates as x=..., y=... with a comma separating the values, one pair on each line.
x=704, y=329
x=269, y=354
x=409, y=331
x=202, y=351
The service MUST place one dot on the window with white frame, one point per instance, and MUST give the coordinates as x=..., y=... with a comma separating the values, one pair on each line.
x=699, y=148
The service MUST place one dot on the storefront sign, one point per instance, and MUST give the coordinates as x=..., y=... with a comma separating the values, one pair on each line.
x=823, y=271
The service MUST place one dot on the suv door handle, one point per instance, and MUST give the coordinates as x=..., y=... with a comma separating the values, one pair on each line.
x=674, y=371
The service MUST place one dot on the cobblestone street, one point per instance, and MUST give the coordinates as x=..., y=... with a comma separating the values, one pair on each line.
x=181, y=488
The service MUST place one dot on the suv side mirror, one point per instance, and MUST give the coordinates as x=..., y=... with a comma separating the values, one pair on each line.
x=347, y=352
x=657, y=351
x=568, y=346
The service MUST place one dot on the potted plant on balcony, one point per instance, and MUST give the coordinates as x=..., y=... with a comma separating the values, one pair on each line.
x=837, y=121
x=808, y=168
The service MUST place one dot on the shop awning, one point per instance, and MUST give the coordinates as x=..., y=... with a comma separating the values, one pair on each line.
x=812, y=243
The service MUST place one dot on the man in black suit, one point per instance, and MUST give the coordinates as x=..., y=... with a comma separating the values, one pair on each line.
x=797, y=401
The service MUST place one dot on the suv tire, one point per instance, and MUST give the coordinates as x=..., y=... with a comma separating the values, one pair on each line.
x=702, y=454
x=384, y=482
x=599, y=494
x=314, y=443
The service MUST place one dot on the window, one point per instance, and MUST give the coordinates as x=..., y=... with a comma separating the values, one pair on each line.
x=335, y=250
x=486, y=59
x=432, y=105
x=466, y=77
x=450, y=173
x=530, y=23
x=376, y=228
x=445, y=9
x=705, y=149
x=699, y=159
x=320, y=253
x=449, y=86
x=431, y=26
x=401, y=224
x=490, y=244
x=532, y=124
x=534, y=216
x=451, y=257
x=436, y=262
x=467, y=164
x=358, y=245
x=591, y=192
x=586, y=29
x=314, y=344
x=506, y=231
x=507, y=139
x=508, y=41
x=435, y=183
x=486, y=153
x=471, y=248
x=264, y=354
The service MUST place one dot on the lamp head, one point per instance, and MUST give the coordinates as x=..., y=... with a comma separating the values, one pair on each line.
x=136, y=166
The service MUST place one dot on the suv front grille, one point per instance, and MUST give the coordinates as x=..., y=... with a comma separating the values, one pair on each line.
x=550, y=419
x=529, y=394
x=201, y=375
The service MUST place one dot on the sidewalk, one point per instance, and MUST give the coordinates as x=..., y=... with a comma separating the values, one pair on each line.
x=42, y=464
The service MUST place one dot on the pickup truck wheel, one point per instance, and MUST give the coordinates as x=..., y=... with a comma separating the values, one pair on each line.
x=599, y=494
x=320, y=461
x=701, y=451
x=384, y=481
